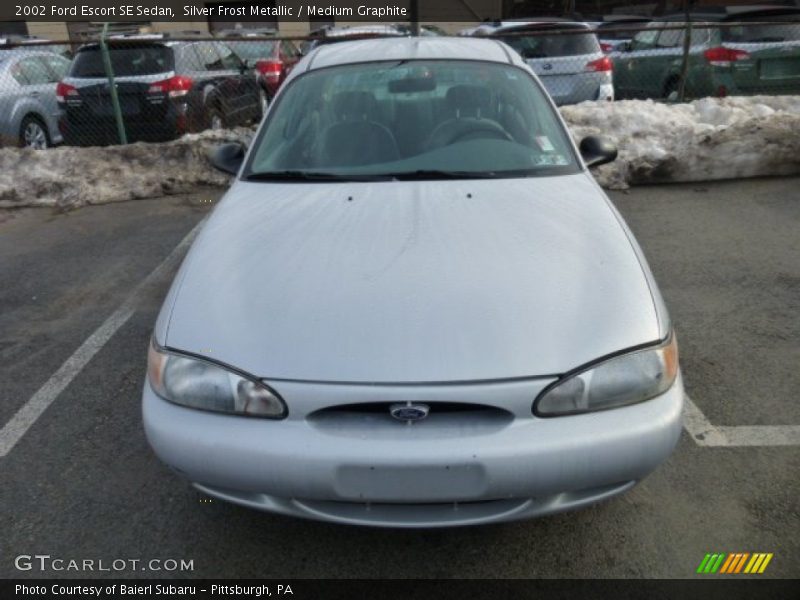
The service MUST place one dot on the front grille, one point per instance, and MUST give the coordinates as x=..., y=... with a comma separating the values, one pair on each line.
x=463, y=417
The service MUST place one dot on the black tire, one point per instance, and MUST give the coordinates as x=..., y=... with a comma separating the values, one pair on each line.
x=672, y=87
x=216, y=120
x=33, y=134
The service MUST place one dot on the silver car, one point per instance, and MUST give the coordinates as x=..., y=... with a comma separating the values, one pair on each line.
x=566, y=56
x=28, y=108
x=417, y=322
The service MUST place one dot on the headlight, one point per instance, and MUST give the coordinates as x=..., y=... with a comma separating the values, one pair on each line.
x=201, y=384
x=627, y=379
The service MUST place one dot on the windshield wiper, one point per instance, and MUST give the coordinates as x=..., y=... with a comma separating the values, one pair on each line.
x=423, y=174
x=297, y=175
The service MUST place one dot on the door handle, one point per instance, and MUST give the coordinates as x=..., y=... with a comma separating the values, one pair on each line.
x=34, y=94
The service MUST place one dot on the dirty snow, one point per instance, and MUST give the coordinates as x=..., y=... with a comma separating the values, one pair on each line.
x=703, y=140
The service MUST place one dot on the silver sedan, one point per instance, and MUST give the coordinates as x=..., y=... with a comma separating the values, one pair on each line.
x=414, y=307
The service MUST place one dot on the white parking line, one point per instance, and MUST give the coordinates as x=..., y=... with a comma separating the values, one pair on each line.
x=26, y=416
x=704, y=433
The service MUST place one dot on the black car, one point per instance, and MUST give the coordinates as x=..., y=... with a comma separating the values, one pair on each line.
x=165, y=89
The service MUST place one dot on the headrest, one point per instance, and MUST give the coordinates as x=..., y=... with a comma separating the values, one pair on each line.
x=355, y=105
x=471, y=98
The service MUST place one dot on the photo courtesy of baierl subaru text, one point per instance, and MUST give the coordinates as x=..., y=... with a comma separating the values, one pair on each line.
x=415, y=299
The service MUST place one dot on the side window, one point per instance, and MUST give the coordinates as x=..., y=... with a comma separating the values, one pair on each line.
x=229, y=60
x=57, y=65
x=189, y=58
x=208, y=58
x=645, y=39
x=34, y=71
x=288, y=50
x=670, y=38
x=19, y=74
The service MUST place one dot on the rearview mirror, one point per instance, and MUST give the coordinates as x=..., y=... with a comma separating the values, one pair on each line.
x=597, y=151
x=228, y=157
x=409, y=85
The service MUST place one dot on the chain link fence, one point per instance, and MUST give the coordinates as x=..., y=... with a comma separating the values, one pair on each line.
x=123, y=89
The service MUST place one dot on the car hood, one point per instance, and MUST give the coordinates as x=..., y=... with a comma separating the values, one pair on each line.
x=431, y=281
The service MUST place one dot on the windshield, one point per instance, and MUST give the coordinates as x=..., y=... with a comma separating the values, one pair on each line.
x=412, y=119
x=541, y=45
x=255, y=50
x=777, y=32
x=126, y=61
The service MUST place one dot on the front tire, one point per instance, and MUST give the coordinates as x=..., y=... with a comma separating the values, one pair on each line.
x=216, y=120
x=33, y=134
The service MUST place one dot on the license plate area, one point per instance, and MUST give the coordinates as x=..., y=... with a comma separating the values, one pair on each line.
x=440, y=483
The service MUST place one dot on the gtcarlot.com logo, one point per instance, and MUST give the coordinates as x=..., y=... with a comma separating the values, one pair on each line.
x=735, y=563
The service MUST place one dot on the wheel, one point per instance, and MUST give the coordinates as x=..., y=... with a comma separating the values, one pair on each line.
x=671, y=89
x=33, y=134
x=215, y=119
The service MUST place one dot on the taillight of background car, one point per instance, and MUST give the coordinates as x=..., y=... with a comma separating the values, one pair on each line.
x=601, y=64
x=271, y=70
x=174, y=87
x=724, y=57
x=66, y=93
x=606, y=48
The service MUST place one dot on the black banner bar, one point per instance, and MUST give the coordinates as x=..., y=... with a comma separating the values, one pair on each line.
x=712, y=588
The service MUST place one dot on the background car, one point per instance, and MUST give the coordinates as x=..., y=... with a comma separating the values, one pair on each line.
x=28, y=108
x=272, y=59
x=332, y=35
x=742, y=59
x=572, y=67
x=165, y=89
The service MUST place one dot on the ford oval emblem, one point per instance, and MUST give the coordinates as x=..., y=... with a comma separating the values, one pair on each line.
x=409, y=411
x=547, y=66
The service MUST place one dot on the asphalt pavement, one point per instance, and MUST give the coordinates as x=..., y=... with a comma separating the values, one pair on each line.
x=81, y=483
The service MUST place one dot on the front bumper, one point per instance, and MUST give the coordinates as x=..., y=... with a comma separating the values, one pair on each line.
x=416, y=476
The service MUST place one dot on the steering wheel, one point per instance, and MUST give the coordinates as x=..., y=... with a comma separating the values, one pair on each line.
x=459, y=130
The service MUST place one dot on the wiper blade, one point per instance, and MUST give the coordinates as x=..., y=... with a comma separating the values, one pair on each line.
x=423, y=174
x=297, y=175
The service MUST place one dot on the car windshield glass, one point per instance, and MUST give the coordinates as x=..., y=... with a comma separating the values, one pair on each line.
x=777, y=32
x=542, y=45
x=415, y=120
x=255, y=50
x=126, y=61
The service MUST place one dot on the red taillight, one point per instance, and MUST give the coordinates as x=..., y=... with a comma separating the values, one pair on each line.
x=601, y=64
x=606, y=48
x=270, y=69
x=174, y=86
x=723, y=57
x=65, y=91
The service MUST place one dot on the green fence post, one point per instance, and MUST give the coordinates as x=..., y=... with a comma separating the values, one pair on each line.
x=123, y=138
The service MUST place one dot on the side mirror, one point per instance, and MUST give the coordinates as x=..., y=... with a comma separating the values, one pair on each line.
x=597, y=151
x=228, y=157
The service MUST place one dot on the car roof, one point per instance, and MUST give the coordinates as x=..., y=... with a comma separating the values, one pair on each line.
x=411, y=48
x=540, y=23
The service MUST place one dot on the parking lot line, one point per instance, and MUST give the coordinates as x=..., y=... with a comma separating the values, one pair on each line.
x=26, y=416
x=704, y=433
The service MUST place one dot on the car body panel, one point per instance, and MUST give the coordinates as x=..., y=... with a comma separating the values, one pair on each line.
x=344, y=290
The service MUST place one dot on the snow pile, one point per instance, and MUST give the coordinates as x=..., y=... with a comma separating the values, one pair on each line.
x=68, y=177
x=711, y=138
x=698, y=141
